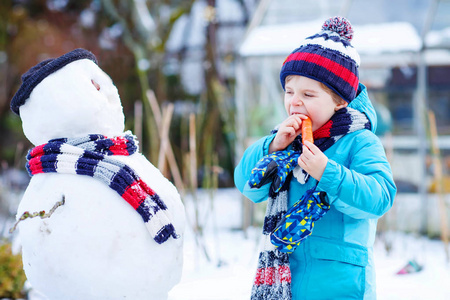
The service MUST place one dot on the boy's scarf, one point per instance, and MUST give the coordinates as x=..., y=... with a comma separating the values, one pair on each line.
x=273, y=276
x=93, y=156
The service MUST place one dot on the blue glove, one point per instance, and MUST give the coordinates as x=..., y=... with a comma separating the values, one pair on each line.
x=298, y=222
x=274, y=168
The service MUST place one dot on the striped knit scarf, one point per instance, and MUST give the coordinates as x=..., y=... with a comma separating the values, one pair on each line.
x=93, y=156
x=273, y=276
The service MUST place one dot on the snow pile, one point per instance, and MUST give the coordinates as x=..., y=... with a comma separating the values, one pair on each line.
x=230, y=273
x=233, y=258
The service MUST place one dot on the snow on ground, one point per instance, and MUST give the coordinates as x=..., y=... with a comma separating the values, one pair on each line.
x=432, y=282
x=228, y=275
x=233, y=256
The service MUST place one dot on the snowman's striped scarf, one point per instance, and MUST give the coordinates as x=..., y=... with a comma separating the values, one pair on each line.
x=93, y=156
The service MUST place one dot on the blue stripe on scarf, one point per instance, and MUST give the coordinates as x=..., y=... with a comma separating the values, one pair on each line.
x=158, y=201
x=54, y=146
x=49, y=162
x=144, y=212
x=86, y=165
x=270, y=223
x=104, y=145
x=131, y=146
x=166, y=232
x=122, y=180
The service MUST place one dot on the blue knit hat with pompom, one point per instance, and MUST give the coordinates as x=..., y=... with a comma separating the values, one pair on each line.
x=327, y=57
x=36, y=74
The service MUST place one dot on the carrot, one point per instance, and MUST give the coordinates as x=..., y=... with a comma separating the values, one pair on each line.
x=307, y=134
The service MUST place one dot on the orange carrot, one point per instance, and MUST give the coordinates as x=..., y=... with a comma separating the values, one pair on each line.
x=307, y=134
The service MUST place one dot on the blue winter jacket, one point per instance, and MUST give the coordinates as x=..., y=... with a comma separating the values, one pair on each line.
x=336, y=261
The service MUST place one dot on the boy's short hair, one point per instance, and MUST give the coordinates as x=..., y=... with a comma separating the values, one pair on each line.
x=336, y=98
x=327, y=57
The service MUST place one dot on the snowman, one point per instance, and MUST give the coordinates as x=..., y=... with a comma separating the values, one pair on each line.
x=111, y=225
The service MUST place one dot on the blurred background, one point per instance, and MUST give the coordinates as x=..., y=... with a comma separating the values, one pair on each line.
x=207, y=72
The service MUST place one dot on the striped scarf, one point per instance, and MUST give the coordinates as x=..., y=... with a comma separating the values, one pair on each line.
x=273, y=275
x=93, y=156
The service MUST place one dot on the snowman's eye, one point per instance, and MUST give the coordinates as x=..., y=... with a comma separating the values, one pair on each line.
x=97, y=86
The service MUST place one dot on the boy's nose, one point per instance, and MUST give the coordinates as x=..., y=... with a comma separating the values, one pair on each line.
x=296, y=101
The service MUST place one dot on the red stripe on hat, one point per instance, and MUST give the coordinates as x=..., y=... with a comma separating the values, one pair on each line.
x=328, y=64
x=267, y=275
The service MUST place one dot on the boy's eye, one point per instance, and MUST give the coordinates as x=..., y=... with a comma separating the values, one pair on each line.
x=308, y=95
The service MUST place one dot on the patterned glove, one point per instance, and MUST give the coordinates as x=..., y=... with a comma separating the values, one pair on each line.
x=275, y=168
x=298, y=222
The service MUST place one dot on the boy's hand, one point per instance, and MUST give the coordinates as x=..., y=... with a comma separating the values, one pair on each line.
x=312, y=160
x=289, y=129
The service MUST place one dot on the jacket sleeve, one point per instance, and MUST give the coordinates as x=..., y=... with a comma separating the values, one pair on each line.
x=366, y=188
x=242, y=171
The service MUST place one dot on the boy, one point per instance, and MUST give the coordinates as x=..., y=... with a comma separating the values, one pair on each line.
x=347, y=162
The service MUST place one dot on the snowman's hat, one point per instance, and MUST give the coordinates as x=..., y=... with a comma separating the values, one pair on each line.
x=37, y=73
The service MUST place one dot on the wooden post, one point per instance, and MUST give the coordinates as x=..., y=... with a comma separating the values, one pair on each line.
x=438, y=176
x=193, y=151
x=170, y=156
x=138, y=111
x=166, y=118
x=193, y=170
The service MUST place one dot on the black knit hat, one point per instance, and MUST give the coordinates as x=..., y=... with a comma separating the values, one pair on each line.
x=37, y=73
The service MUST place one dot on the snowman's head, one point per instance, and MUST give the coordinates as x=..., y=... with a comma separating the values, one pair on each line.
x=74, y=100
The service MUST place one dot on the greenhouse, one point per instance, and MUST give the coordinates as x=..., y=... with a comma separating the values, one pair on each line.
x=405, y=64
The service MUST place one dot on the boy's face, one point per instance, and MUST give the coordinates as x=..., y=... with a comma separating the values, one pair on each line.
x=306, y=96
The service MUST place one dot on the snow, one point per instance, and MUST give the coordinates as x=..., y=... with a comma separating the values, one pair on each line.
x=229, y=274
x=430, y=283
x=67, y=104
x=368, y=39
x=436, y=38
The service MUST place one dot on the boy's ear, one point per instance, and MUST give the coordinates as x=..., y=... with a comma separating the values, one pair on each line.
x=341, y=105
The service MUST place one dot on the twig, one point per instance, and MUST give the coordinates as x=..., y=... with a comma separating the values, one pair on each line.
x=40, y=214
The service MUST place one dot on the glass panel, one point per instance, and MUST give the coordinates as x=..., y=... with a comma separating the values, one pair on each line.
x=291, y=11
x=439, y=96
x=439, y=34
x=264, y=100
x=441, y=19
x=384, y=11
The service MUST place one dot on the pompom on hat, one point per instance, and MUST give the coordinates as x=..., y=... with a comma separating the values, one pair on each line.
x=327, y=57
x=38, y=73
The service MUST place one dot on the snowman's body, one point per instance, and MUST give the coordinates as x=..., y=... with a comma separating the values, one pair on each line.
x=95, y=245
